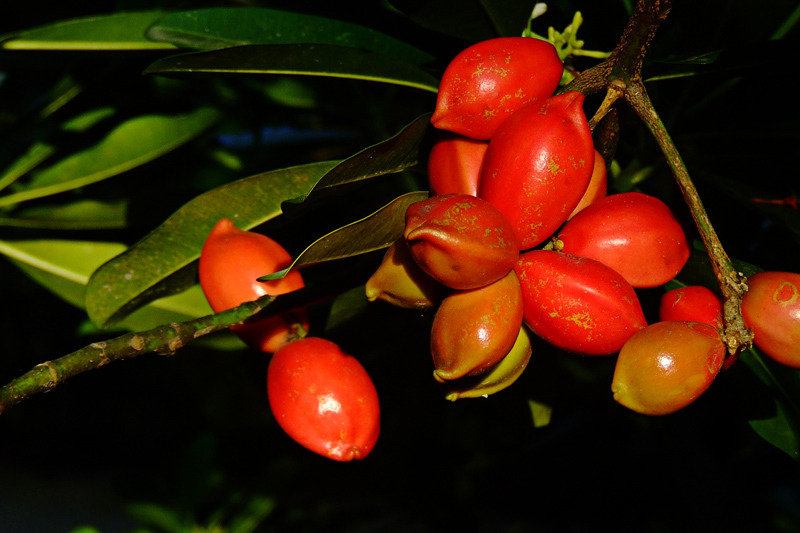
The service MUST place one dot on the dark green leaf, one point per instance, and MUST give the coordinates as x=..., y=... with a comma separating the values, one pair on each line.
x=157, y=265
x=768, y=394
x=81, y=214
x=120, y=31
x=375, y=232
x=399, y=153
x=471, y=20
x=210, y=29
x=304, y=59
x=131, y=144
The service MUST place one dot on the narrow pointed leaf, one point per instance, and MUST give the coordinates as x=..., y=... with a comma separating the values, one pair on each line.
x=120, y=31
x=210, y=29
x=157, y=265
x=131, y=144
x=306, y=59
x=78, y=215
x=375, y=232
x=399, y=153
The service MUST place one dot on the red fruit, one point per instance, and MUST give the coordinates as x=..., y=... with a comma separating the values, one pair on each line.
x=475, y=329
x=692, y=304
x=324, y=399
x=633, y=233
x=490, y=80
x=598, y=185
x=771, y=306
x=538, y=166
x=577, y=304
x=462, y=241
x=667, y=366
x=454, y=164
x=231, y=262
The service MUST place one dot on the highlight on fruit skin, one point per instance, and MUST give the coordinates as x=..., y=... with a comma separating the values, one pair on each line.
x=324, y=399
x=231, y=261
x=401, y=282
x=499, y=377
x=667, y=366
x=771, y=306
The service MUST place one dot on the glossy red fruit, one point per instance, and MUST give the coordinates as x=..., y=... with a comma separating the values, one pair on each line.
x=490, y=80
x=538, y=166
x=771, y=306
x=577, y=304
x=462, y=241
x=667, y=366
x=231, y=262
x=635, y=234
x=598, y=185
x=475, y=329
x=454, y=164
x=324, y=399
x=692, y=304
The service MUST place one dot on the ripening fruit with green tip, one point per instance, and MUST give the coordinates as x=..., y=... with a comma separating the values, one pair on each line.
x=401, y=282
x=474, y=329
x=667, y=366
x=460, y=240
x=499, y=377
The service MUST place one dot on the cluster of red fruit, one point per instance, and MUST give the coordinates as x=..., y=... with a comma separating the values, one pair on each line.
x=514, y=168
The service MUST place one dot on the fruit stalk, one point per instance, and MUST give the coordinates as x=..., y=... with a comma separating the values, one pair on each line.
x=620, y=76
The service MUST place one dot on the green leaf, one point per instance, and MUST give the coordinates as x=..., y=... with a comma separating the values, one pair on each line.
x=375, y=232
x=305, y=59
x=78, y=215
x=157, y=265
x=64, y=267
x=396, y=154
x=209, y=29
x=120, y=31
x=255, y=511
x=131, y=144
x=770, y=405
x=471, y=20
x=157, y=516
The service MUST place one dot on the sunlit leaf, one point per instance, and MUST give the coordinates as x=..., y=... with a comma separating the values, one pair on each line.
x=375, y=232
x=306, y=59
x=209, y=29
x=156, y=265
x=120, y=31
x=131, y=144
x=396, y=154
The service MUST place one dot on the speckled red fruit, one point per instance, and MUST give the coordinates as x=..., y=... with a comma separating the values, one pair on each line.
x=490, y=80
x=324, y=399
x=667, y=366
x=454, y=164
x=462, y=241
x=538, y=166
x=475, y=329
x=771, y=306
x=692, y=304
x=598, y=185
x=635, y=234
x=577, y=304
x=231, y=262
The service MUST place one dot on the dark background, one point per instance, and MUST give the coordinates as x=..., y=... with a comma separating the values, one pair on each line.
x=193, y=433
